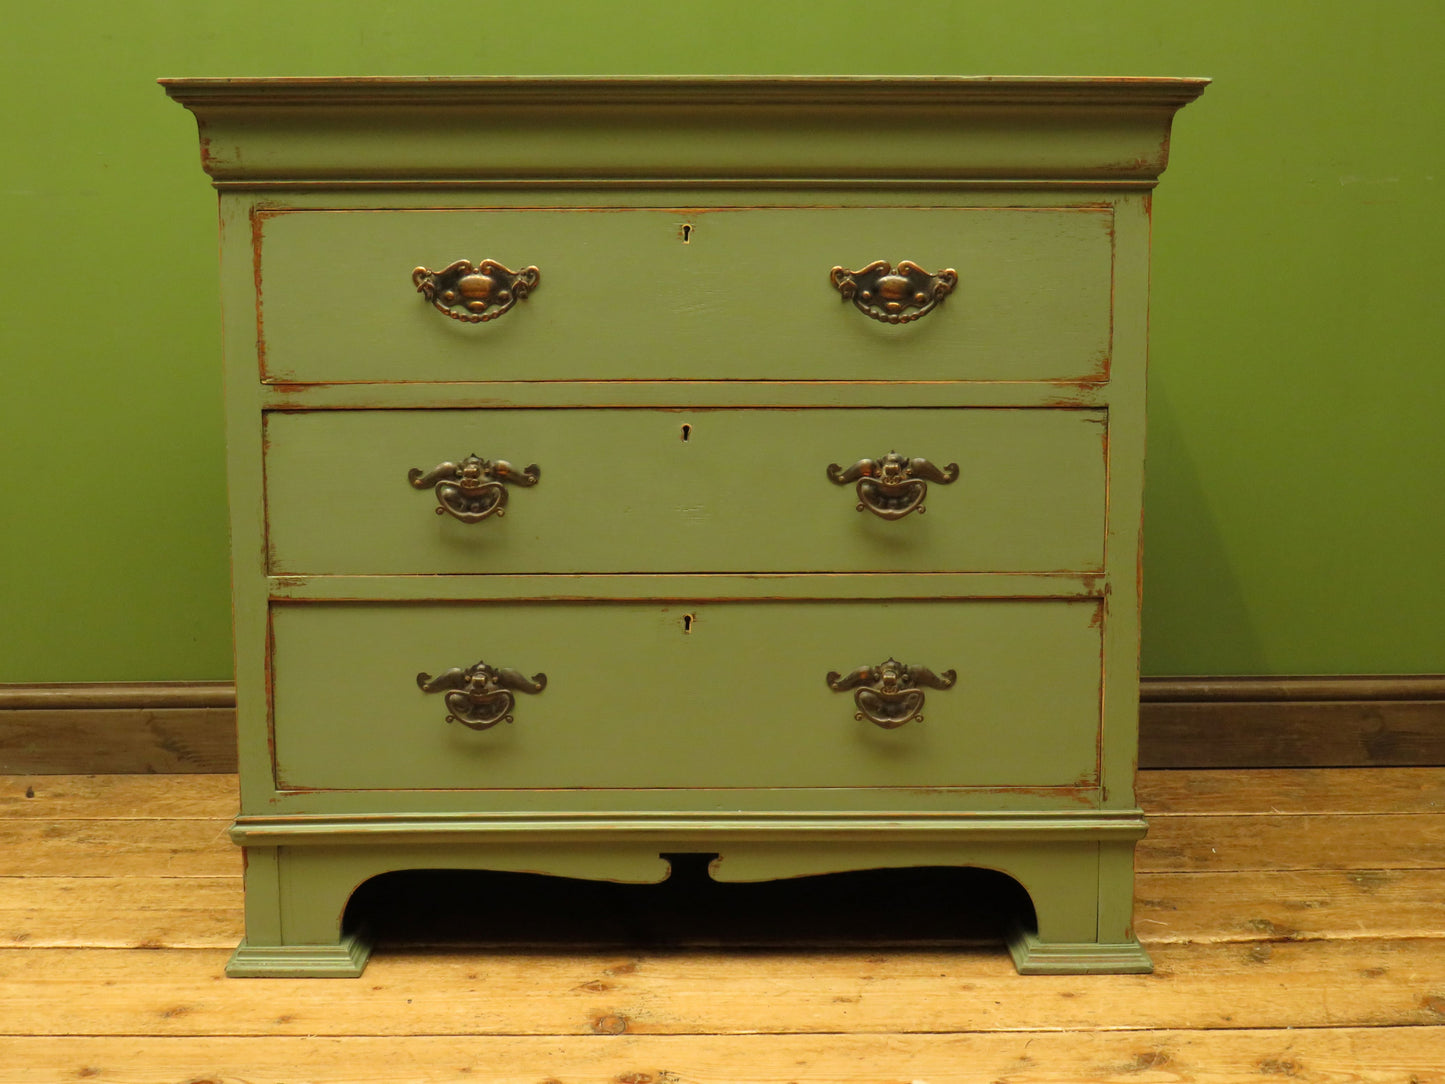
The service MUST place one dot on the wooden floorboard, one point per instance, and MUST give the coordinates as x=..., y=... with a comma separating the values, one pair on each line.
x=117, y=797
x=1296, y=918
x=1275, y=791
x=1360, y=1055
x=1356, y=983
x=1289, y=905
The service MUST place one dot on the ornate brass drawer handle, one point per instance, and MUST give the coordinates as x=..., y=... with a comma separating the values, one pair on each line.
x=891, y=693
x=884, y=294
x=475, y=488
x=893, y=486
x=480, y=696
x=483, y=292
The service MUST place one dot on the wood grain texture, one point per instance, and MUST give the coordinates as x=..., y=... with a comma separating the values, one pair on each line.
x=1292, y=790
x=121, y=848
x=75, y=740
x=1296, y=842
x=1356, y=983
x=1342, y=1055
x=1288, y=905
x=121, y=912
x=117, y=797
x=1279, y=733
x=1221, y=722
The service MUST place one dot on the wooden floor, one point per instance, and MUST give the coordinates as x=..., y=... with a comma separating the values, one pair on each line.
x=1296, y=919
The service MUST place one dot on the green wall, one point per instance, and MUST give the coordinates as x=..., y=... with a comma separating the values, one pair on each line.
x=1296, y=493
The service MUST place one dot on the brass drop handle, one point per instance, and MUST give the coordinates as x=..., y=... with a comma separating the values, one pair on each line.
x=891, y=693
x=893, y=486
x=475, y=294
x=894, y=296
x=481, y=696
x=475, y=488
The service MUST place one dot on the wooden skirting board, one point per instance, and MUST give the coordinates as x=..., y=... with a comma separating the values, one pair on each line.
x=1198, y=722
x=1286, y=722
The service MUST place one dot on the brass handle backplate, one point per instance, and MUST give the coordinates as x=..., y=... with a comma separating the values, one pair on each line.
x=475, y=488
x=893, y=486
x=475, y=294
x=891, y=693
x=481, y=696
x=894, y=296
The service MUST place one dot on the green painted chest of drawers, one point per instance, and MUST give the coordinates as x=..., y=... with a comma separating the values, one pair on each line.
x=622, y=467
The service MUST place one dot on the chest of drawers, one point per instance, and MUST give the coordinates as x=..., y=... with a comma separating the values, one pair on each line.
x=627, y=467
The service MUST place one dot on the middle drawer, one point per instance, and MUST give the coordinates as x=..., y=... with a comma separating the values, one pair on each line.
x=677, y=491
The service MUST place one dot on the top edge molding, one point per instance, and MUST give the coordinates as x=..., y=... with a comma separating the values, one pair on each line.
x=787, y=130
x=689, y=91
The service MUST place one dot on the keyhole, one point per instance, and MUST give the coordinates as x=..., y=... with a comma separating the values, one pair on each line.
x=687, y=233
x=686, y=431
x=687, y=622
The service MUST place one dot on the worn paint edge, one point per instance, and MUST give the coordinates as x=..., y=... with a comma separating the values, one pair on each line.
x=334, y=830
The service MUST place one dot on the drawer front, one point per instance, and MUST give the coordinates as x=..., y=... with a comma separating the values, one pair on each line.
x=666, y=293
x=746, y=491
x=705, y=695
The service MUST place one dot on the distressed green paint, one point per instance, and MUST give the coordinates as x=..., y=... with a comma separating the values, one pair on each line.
x=746, y=296
x=1126, y=445
x=686, y=695
x=747, y=491
x=698, y=719
x=699, y=394
x=1060, y=876
x=551, y=587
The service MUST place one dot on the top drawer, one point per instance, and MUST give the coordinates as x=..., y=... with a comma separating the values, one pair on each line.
x=650, y=294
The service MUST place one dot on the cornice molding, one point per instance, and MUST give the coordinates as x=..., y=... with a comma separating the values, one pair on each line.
x=713, y=131
x=690, y=92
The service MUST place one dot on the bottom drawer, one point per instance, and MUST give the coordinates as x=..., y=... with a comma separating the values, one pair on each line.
x=684, y=695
